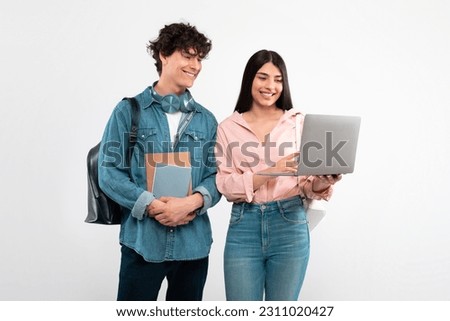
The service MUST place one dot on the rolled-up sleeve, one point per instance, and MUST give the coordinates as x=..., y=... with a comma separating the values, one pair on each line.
x=307, y=190
x=140, y=207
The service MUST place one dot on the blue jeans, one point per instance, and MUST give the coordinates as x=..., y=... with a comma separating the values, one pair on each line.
x=266, y=251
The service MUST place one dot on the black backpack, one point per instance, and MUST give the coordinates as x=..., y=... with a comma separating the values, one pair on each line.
x=102, y=209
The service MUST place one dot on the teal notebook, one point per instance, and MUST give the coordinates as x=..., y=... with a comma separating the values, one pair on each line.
x=171, y=180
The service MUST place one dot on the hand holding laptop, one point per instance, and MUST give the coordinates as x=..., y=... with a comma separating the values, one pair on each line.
x=289, y=165
x=324, y=181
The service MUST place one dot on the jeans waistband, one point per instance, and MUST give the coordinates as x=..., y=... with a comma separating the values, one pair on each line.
x=270, y=205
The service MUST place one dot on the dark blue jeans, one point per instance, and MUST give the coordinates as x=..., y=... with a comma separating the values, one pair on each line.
x=140, y=280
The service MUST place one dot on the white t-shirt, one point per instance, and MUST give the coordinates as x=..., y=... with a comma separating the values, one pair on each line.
x=174, y=120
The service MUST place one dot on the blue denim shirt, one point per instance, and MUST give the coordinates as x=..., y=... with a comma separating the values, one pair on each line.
x=154, y=241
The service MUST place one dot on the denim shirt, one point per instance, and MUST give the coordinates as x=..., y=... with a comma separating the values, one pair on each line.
x=154, y=241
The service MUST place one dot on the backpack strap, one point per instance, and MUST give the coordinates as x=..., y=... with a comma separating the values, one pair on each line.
x=135, y=115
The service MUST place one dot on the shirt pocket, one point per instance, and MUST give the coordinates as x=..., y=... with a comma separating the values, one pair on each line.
x=148, y=140
x=195, y=142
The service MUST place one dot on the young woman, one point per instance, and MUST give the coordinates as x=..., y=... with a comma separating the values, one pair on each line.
x=267, y=245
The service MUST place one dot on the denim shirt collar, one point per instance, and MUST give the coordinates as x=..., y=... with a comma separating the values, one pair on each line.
x=148, y=100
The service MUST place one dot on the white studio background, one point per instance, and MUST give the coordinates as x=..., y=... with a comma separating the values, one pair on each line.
x=65, y=64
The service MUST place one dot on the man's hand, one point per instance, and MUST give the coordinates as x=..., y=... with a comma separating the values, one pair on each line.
x=173, y=211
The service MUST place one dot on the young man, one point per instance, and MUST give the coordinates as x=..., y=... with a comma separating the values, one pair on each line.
x=165, y=237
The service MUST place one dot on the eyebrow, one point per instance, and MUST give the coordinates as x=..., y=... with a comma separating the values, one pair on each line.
x=265, y=74
x=190, y=54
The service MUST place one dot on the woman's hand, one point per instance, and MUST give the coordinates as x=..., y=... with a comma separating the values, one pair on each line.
x=288, y=164
x=322, y=182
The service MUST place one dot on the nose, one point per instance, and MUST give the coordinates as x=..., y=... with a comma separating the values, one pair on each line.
x=195, y=64
x=270, y=84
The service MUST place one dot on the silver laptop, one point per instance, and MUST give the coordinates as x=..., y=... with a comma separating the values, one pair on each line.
x=327, y=146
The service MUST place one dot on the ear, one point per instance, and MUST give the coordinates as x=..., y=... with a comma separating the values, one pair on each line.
x=163, y=59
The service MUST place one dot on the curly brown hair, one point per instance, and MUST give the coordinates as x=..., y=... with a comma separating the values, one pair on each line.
x=178, y=36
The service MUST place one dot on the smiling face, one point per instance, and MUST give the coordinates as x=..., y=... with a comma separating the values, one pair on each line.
x=179, y=71
x=267, y=86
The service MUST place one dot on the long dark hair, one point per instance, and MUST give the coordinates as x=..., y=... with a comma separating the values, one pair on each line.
x=255, y=62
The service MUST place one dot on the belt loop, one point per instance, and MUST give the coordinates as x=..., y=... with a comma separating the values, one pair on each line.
x=242, y=208
x=280, y=207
